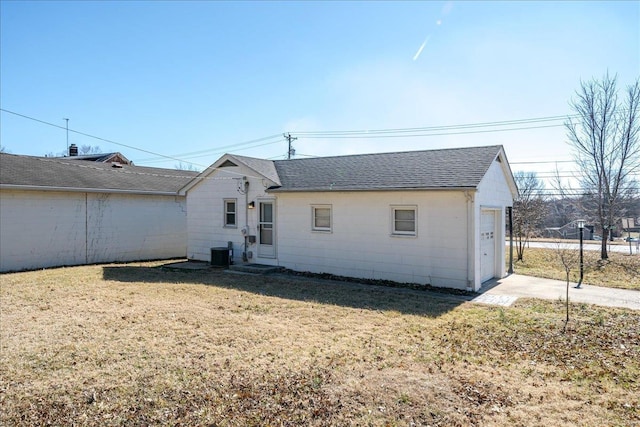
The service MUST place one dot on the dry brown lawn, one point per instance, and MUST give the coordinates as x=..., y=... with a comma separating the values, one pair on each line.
x=619, y=271
x=136, y=344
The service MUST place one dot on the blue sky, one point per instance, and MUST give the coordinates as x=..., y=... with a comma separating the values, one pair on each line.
x=191, y=80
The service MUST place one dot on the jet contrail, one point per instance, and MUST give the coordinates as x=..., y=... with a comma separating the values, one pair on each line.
x=424, y=43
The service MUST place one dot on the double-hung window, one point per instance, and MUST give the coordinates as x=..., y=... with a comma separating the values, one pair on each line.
x=403, y=220
x=321, y=218
x=230, y=213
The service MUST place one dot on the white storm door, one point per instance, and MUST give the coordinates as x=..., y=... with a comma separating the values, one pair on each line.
x=487, y=245
x=266, y=231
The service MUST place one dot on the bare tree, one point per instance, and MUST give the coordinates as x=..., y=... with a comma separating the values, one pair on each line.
x=187, y=167
x=52, y=154
x=607, y=148
x=529, y=209
x=90, y=149
x=568, y=257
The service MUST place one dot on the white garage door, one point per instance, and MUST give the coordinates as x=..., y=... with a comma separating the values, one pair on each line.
x=487, y=246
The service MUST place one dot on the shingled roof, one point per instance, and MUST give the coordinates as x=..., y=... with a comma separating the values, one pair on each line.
x=47, y=173
x=456, y=168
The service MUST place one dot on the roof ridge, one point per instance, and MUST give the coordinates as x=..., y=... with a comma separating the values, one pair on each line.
x=392, y=152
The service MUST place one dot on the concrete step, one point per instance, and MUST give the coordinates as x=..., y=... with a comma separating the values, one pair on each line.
x=255, y=268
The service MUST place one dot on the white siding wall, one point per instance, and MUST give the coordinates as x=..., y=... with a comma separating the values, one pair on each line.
x=205, y=223
x=361, y=243
x=41, y=229
x=493, y=189
x=45, y=229
x=493, y=193
x=133, y=227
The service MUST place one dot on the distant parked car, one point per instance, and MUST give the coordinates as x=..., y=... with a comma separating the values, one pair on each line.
x=630, y=239
x=596, y=237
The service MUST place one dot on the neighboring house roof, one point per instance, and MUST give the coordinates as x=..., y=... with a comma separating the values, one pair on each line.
x=100, y=158
x=456, y=168
x=570, y=228
x=46, y=173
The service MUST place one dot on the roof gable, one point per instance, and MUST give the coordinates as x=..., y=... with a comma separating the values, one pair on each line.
x=264, y=168
x=506, y=170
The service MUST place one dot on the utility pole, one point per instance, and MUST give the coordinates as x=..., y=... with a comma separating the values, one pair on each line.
x=292, y=150
x=67, y=135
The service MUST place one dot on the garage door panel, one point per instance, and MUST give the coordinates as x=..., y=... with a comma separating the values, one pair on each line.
x=487, y=245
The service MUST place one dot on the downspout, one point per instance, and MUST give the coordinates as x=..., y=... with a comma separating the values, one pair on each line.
x=469, y=198
x=246, y=218
x=86, y=228
x=510, y=239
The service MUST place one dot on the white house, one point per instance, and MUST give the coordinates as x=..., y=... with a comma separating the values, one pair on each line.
x=56, y=212
x=430, y=217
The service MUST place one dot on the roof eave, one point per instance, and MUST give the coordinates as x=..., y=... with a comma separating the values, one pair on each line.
x=85, y=190
x=506, y=167
x=336, y=190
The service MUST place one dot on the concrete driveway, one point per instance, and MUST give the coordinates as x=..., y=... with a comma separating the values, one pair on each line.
x=505, y=291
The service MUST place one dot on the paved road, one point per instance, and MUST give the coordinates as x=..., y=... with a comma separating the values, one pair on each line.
x=505, y=291
x=586, y=246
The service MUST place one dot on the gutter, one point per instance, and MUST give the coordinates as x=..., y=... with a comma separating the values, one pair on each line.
x=332, y=190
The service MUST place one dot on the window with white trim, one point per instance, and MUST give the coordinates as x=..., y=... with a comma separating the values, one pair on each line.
x=230, y=213
x=321, y=217
x=403, y=220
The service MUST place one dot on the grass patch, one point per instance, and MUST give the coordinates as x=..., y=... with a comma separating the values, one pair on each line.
x=138, y=345
x=619, y=271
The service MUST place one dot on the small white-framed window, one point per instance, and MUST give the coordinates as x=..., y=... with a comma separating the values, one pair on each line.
x=230, y=213
x=321, y=217
x=404, y=220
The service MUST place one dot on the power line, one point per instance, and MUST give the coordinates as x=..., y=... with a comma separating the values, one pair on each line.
x=209, y=151
x=370, y=136
x=94, y=137
x=217, y=150
x=376, y=133
x=437, y=128
x=176, y=158
x=564, y=118
x=542, y=162
x=356, y=134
